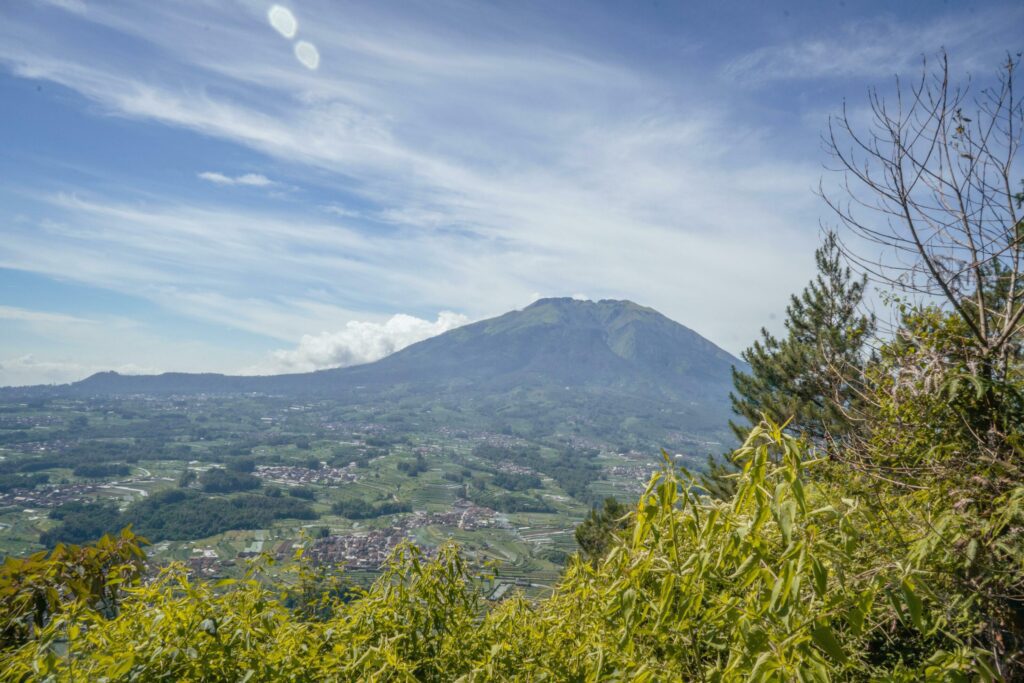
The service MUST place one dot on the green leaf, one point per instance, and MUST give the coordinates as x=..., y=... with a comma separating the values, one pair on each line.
x=913, y=603
x=820, y=577
x=826, y=640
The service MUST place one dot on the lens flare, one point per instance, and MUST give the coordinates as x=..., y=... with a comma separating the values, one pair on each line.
x=307, y=54
x=283, y=21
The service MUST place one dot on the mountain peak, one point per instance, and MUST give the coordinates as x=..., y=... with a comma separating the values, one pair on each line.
x=571, y=301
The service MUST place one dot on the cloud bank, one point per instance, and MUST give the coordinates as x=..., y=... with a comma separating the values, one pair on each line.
x=359, y=342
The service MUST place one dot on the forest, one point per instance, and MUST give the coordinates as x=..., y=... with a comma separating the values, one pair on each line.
x=869, y=527
x=174, y=514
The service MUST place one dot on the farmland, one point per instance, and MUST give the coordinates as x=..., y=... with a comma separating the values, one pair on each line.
x=217, y=481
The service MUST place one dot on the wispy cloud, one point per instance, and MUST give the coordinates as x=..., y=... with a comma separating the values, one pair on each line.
x=880, y=47
x=251, y=179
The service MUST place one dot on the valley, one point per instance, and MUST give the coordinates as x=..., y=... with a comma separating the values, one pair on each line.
x=70, y=465
x=500, y=435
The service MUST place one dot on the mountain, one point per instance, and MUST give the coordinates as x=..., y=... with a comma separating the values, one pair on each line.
x=575, y=358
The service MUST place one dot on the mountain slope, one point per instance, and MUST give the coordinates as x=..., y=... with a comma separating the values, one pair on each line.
x=613, y=357
x=605, y=344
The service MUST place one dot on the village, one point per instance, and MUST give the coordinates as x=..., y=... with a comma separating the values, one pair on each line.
x=369, y=550
x=300, y=475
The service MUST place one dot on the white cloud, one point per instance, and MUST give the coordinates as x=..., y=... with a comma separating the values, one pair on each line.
x=74, y=6
x=251, y=179
x=341, y=211
x=358, y=342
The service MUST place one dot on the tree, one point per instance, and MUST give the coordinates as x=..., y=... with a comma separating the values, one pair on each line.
x=806, y=377
x=187, y=478
x=719, y=477
x=931, y=209
x=931, y=186
x=596, y=534
x=245, y=465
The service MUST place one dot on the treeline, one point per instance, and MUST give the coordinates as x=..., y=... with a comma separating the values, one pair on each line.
x=101, y=470
x=175, y=514
x=342, y=456
x=22, y=481
x=93, y=453
x=510, y=481
x=216, y=480
x=357, y=508
x=514, y=481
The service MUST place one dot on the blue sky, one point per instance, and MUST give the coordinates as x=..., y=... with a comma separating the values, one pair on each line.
x=188, y=188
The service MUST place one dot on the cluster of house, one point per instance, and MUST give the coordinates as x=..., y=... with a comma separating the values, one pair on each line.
x=641, y=473
x=463, y=515
x=371, y=549
x=50, y=496
x=205, y=563
x=583, y=443
x=291, y=474
x=513, y=468
x=30, y=421
x=368, y=550
x=355, y=427
x=51, y=445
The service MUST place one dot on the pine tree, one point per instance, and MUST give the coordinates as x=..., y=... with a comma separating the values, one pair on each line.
x=595, y=534
x=805, y=376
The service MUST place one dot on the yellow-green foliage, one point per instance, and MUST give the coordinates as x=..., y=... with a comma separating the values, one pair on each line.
x=791, y=580
x=34, y=588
